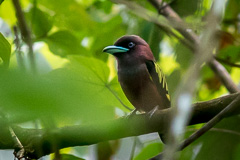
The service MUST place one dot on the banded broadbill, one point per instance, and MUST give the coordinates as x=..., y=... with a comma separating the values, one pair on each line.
x=140, y=77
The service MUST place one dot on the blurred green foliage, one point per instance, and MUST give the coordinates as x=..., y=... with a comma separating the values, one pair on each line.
x=83, y=88
x=5, y=51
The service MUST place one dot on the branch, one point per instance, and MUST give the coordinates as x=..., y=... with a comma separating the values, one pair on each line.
x=180, y=25
x=191, y=39
x=228, y=110
x=186, y=90
x=227, y=62
x=25, y=32
x=154, y=18
x=224, y=76
x=175, y=20
x=38, y=142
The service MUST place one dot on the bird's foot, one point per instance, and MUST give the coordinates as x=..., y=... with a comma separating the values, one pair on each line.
x=152, y=112
x=131, y=114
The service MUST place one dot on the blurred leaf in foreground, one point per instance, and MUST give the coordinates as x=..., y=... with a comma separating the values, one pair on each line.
x=78, y=92
x=40, y=22
x=5, y=50
x=70, y=157
x=64, y=43
x=149, y=151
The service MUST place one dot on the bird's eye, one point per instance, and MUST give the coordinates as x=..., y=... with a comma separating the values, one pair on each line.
x=131, y=44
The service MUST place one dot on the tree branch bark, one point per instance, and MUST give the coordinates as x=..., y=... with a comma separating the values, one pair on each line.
x=180, y=25
x=39, y=142
x=25, y=32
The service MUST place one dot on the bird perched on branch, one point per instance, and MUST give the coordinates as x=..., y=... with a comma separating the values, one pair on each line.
x=140, y=77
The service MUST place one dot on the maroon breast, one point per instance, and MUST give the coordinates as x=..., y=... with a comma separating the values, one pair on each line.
x=139, y=88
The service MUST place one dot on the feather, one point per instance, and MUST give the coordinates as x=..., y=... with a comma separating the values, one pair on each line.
x=159, y=80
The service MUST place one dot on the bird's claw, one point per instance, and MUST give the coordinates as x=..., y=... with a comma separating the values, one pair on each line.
x=152, y=112
x=131, y=114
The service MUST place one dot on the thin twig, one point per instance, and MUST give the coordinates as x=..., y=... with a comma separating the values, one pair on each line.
x=191, y=39
x=227, y=62
x=186, y=90
x=19, y=55
x=39, y=141
x=224, y=76
x=204, y=48
x=228, y=110
x=26, y=33
x=19, y=151
x=164, y=5
x=151, y=17
x=180, y=25
x=175, y=20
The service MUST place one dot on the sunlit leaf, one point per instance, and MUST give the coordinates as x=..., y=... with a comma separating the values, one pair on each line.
x=70, y=157
x=149, y=151
x=103, y=38
x=64, y=43
x=7, y=12
x=230, y=53
x=69, y=14
x=105, y=5
x=116, y=89
x=80, y=91
x=232, y=9
x=40, y=22
x=185, y=7
x=5, y=50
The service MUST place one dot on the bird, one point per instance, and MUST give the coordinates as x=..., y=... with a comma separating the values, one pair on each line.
x=140, y=77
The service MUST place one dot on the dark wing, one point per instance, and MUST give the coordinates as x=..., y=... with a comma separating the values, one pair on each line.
x=159, y=80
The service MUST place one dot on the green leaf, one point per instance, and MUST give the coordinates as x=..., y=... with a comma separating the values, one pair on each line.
x=116, y=88
x=236, y=154
x=1, y=1
x=70, y=157
x=232, y=9
x=69, y=14
x=40, y=22
x=230, y=53
x=221, y=142
x=106, y=6
x=104, y=38
x=7, y=13
x=80, y=91
x=87, y=81
x=64, y=43
x=149, y=151
x=186, y=7
x=5, y=50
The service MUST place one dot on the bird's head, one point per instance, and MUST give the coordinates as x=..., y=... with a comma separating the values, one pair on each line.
x=130, y=46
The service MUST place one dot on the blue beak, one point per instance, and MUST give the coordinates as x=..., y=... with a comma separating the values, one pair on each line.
x=115, y=49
